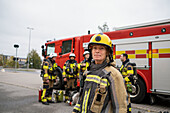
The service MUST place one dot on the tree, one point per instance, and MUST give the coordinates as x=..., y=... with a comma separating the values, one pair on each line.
x=11, y=63
x=34, y=59
x=1, y=59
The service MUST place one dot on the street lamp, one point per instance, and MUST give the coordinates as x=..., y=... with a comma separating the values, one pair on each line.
x=16, y=46
x=29, y=45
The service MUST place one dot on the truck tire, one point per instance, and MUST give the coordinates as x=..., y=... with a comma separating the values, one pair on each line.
x=140, y=93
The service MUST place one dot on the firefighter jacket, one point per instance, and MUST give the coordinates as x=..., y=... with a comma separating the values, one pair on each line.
x=126, y=70
x=103, y=92
x=82, y=67
x=70, y=69
x=49, y=69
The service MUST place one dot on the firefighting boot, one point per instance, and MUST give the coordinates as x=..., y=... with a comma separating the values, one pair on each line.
x=129, y=108
x=45, y=103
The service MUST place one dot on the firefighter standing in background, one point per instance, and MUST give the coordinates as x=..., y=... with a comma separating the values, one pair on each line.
x=127, y=73
x=70, y=74
x=104, y=90
x=49, y=77
x=82, y=67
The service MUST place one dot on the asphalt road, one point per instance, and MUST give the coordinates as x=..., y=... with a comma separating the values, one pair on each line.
x=19, y=94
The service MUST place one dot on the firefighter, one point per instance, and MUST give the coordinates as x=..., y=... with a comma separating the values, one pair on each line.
x=127, y=73
x=49, y=78
x=70, y=74
x=82, y=66
x=103, y=90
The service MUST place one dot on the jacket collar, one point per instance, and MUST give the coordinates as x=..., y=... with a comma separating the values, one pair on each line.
x=126, y=61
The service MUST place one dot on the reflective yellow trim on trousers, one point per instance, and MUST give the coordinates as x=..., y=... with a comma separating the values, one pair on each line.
x=64, y=73
x=43, y=95
x=124, y=73
x=49, y=98
x=51, y=69
x=127, y=79
x=45, y=67
x=77, y=107
x=45, y=75
x=130, y=109
x=85, y=101
x=130, y=72
x=53, y=77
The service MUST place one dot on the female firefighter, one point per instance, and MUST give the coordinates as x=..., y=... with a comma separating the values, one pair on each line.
x=104, y=90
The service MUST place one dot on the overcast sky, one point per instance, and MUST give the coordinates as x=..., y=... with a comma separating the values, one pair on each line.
x=66, y=18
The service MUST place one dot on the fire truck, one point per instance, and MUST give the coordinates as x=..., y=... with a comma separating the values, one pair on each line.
x=147, y=45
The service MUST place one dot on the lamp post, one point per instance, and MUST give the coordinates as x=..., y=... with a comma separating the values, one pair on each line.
x=16, y=46
x=29, y=45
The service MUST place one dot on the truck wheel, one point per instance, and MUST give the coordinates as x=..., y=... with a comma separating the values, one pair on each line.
x=140, y=92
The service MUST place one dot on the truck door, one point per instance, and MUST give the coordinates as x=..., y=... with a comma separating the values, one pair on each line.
x=66, y=49
x=161, y=62
x=58, y=46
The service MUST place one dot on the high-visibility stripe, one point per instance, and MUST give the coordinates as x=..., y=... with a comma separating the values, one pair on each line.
x=114, y=56
x=45, y=67
x=130, y=72
x=64, y=67
x=85, y=100
x=155, y=55
x=64, y=73
x=145, y=53
x=97, y=79
x=164, y=55
x=141, y=56
x=130, y=52
x=166, y=50
x=119, y=52
x=45, y=75
x=131, y=56
x=154, y=50
x=77, y=107
x=141, y=51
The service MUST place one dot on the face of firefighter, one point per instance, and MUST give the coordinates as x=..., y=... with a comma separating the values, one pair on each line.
x=87, y=56
x=99, y=53
x=72, y=58
x=122, y=58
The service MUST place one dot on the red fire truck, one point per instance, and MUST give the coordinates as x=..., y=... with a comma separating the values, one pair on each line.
x=148, y=45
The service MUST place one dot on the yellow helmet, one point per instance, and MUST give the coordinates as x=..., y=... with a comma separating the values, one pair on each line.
x=101, y=39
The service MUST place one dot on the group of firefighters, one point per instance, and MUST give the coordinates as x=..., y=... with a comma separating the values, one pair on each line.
x=102, y=87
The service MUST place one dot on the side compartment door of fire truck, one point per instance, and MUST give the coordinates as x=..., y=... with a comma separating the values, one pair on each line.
x=58, y=46
x=137, y=53
x=161, y=67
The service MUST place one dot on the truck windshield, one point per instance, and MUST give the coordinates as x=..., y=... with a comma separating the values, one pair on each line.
x=66, y=46
x=50, y=48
